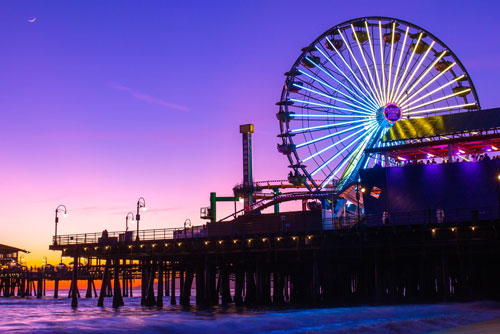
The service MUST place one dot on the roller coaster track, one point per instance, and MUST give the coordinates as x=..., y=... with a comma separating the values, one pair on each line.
x=268, y=202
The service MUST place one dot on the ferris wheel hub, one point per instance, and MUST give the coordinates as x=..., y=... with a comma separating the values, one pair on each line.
x=389, y=114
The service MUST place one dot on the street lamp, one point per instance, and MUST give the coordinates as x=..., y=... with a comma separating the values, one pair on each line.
x=141, y=203
x=60, y=208
x=187, y=223
x=131, y=216
x=358, y=196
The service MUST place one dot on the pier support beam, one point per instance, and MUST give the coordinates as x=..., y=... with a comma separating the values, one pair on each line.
x=39, y=287
x=150, y=298
x=200, y=286
x=88, y=293
x=74, y=282
x=278, y=298
x=250, y=296
x=239, y=277
x=144, y=275
x=172, y=286
x=188, y=282
x=105, y=277
x=159, y=297
x=225, y=289
x=117, y=294
x=56, y=288
x=167, y=280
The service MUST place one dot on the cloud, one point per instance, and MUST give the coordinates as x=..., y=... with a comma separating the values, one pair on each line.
x=148, y=98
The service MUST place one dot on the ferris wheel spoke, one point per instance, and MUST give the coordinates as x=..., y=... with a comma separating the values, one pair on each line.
x=382, y=61
x=360, y=83
x=355, y=159
x=390, y=63
x=362, y=51
x=317, y=100
x=332, y=146
x=313, y=117
x=368, y=97
x=404, y=90
x=356, y=97
x=350, y=97
x=408, y=111
x=375, y=67
x=410, y=102
x=325, y=126
x=365, y=82
x=355, y=140
x=408, y=99
x=326, y=113
x=402, y=78
x=331, y=107
x=360, y=148
x=369, y=112
x=399, y=63
x=458, y=106
x=329, y=136
x=422, y=75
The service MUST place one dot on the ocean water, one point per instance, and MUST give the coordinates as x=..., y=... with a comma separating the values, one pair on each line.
x=48, y=315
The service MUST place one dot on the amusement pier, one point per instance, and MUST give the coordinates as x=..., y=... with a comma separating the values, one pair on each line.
x=396, y=169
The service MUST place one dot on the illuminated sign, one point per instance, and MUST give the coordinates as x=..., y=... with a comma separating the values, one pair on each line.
x=392, y=113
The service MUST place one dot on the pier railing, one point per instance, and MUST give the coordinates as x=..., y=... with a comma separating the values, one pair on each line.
x=130, y=236
x=429, y=216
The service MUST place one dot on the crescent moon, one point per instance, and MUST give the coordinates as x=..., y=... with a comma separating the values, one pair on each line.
x=32, y=20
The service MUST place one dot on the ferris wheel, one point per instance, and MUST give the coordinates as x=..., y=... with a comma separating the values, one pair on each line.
x=355, y=81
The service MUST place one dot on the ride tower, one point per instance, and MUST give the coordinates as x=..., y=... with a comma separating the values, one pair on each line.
x=246, y=130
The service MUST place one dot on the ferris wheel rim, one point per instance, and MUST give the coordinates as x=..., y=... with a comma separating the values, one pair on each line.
x=294, y=158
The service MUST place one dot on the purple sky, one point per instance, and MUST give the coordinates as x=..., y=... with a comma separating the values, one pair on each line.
x=106, y=101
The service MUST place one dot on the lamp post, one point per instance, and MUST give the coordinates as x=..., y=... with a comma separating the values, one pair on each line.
x=141, y=203
x=187, y=223
x=60, y=208
x=358, y=196
x=131, y=216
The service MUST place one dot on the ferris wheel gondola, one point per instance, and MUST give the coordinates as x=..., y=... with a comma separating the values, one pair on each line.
x=353, y=83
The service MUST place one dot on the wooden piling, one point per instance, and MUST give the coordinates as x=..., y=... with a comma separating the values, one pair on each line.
x=150, y=297
x=172, y=286
x=144, y=275
x=38, y=288
x=117, y=294
x=105, y=277
x=167, y=281
x=74, y=295
x=159, y=297
x=251, y=290
x=239, y=281
x=56, y=289
x=188, y=282
x=88, y=293
x=225, y=289
x=200, y=286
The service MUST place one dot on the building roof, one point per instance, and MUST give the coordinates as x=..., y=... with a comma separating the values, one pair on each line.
x=482, y=120
x=4, y=249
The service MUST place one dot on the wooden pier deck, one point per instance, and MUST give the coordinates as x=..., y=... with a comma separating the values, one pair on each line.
x=418, y=262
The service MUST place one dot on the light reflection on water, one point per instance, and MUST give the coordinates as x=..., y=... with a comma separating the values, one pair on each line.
x=56, y=316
